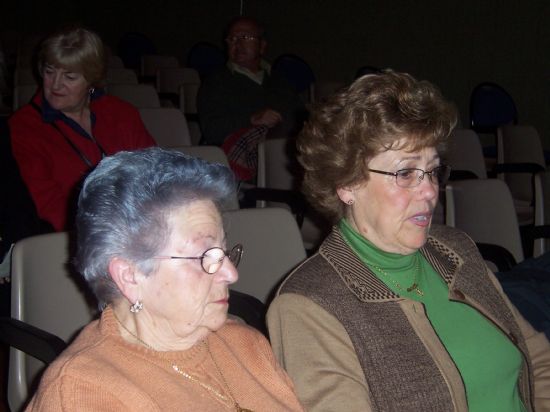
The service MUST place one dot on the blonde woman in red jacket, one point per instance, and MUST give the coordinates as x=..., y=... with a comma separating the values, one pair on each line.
x=70, y=124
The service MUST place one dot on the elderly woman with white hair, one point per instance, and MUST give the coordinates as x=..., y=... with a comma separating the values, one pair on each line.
x=151, y=245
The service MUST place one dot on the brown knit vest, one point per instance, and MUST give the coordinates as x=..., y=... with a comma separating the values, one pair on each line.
x=400, y=372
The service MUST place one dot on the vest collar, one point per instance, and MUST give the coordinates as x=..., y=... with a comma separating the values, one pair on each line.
x=364, y=284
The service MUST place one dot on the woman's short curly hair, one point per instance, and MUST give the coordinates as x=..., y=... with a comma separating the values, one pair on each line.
x=377, y=112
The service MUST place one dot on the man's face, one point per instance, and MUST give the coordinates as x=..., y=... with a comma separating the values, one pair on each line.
x=245, y=46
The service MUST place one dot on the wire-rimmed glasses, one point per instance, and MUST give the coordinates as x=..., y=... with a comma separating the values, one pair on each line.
x=244, y=37
x=411, y=177
x=212, y=259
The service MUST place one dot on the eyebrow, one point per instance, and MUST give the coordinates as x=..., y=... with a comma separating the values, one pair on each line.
x=65, y=71
x=202, y=236
x=417, y=157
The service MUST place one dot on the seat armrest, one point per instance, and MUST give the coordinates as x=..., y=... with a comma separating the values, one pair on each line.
x=248, y=308
x=462, y=175
x=31, y=340
x=500, y=256
x=531, y=168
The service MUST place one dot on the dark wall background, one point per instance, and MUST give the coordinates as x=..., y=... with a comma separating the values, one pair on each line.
x=455, y=44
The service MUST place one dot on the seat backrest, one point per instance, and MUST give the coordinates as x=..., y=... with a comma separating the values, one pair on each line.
x=274, y=164
x=367, y=69
x=47, y=294
x=132, y=46
x=151, y=62
x=22, y=94
x=140, y=95
x=25, y=75
x=169, y=79
x=121, y=76
x=465, y=153
x=297, y=72
x=542, y=210
x=272, y=247
x=114, y=62
x=213, y=154
x=205, y=58
x=195, y=132
x=326, y=89
x=168, y=126
x=519, y=144
x=278, y=169
x=484, y=209
x=189, y=91
x=491, y=106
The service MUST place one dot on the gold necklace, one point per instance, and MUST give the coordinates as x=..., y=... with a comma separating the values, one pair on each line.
x=413, y=287
x=203, y=385
x=131, y=333
x=210, y=389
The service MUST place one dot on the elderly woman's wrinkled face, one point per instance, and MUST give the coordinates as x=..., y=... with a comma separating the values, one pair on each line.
x=65, y=90
x=394, y=218
x=184, y=301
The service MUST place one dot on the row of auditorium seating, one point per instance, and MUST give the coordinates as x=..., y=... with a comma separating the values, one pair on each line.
x=490, y=106
x=512, y=203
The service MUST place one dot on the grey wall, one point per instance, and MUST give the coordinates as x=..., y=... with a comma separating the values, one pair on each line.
x=455, y=44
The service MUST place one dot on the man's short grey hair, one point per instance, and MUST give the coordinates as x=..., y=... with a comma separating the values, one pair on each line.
x=124, y=205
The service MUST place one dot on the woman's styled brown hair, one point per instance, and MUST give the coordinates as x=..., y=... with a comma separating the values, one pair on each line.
x=75, y=49
x=377, y=112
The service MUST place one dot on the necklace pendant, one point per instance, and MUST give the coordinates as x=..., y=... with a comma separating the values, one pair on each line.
x=414, y=287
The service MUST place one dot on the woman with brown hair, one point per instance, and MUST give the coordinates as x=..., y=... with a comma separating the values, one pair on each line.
x=393, y=313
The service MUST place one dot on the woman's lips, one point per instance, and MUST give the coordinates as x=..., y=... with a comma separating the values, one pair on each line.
x=421, y=219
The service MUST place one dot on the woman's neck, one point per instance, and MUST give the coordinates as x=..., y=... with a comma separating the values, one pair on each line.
x=138, y=329
x=81, y=115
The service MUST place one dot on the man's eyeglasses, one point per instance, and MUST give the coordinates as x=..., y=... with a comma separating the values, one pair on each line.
x=212, y=259
x=412, y=177
x=243, y=37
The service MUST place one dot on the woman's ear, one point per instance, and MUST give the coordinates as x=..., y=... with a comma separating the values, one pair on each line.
x=346, y=195
x=123, y=273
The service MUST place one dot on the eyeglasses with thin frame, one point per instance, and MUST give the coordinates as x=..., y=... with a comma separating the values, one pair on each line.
x=245, y=37
x=411, y=177
x=212, y=259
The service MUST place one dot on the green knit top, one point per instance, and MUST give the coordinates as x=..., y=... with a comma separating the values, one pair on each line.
x=487, y=360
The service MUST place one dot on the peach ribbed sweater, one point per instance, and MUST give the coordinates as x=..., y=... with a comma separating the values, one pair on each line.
x=102, y=372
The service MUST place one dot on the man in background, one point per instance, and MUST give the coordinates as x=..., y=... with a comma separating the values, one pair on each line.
x=245, y=93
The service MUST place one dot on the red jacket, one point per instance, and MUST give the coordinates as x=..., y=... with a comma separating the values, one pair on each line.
x=52, y=169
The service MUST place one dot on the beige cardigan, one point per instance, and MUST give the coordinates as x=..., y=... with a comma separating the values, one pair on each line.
x=318, y=353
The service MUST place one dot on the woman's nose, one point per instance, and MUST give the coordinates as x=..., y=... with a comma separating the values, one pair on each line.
x=57, y=81
x=428, y=189
x=228, y=272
